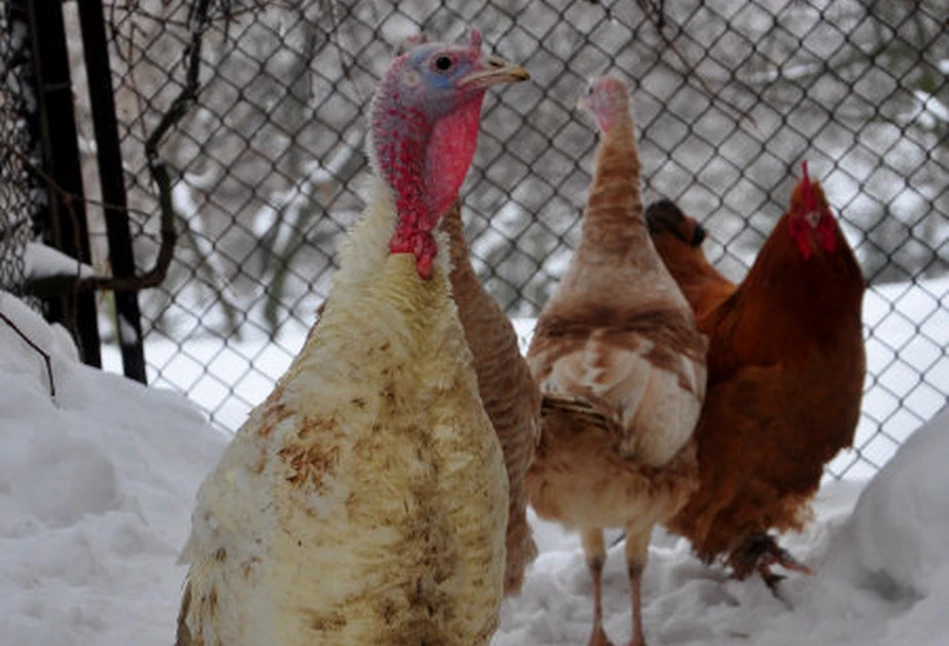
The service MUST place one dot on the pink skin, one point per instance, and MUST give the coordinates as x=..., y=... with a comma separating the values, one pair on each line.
x=607, y=99
x=810, y=217
x=424, y=123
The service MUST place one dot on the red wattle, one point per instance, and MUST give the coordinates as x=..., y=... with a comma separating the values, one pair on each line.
x=425, y=163
x=421, y=244
x=798, y=228
x=827, y=232
x=448, y=157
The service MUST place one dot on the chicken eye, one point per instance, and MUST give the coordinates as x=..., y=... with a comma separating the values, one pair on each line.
x=443, y=63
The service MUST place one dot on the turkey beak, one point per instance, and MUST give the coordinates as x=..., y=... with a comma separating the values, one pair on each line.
x=495, y=71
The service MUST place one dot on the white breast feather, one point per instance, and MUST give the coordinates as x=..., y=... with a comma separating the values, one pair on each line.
x=372, y=475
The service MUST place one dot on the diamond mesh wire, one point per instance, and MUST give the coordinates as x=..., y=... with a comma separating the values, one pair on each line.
x=19, y=197
x=729, y=98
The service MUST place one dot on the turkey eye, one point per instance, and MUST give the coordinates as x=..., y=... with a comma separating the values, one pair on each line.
x=443, y=63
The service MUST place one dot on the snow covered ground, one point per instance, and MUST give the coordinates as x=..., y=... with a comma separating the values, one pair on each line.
x=97, y=484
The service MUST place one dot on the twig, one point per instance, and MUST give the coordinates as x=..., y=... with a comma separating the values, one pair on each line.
x=198, y=23
x=656, y=14
x=228, y=11
x=41, y=351
x=334, y=36
x=655, y=10
x=61, y=284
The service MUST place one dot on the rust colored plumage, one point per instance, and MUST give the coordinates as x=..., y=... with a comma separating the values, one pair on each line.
x=677, y=239
x=622, y=367
x=786, y=369
x=510, y=395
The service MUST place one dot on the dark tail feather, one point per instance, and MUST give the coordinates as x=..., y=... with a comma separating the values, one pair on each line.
x=184, y=635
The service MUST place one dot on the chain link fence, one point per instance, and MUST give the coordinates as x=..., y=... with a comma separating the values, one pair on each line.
x=729, y=98
x=19, y=197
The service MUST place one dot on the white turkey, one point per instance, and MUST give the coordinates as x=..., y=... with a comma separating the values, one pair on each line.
x=365, y=501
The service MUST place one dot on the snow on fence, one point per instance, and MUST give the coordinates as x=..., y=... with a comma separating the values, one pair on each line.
x=729, y=99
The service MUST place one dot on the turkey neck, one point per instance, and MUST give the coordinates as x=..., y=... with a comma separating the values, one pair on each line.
x=400, y=142
x=614, y=223
x=463, y=277
x=424, y=161
x=475, y=306
x=481, y=316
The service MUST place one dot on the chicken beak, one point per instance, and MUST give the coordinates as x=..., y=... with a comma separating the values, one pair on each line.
x=497, y=71
x=698, y=235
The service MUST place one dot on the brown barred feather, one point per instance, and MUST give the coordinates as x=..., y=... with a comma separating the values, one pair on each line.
x=508, y=392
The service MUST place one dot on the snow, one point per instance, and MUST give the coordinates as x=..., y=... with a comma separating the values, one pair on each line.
x=97, y=486
x=909, y=492
x=883, y=573
x=930, y=110
x=43, y=261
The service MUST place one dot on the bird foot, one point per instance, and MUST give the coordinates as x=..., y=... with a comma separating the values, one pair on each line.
x=599, y=638
x=759, y=553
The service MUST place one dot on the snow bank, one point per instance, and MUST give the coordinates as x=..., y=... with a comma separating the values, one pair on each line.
x=688, y=603
x=900, y=527
x=96, y=488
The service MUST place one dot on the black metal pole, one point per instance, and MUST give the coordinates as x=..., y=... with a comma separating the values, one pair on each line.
x=66, y=217
x=128, y=316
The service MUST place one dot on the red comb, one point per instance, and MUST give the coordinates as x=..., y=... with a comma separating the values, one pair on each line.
x=475, y=39
x=807, y=190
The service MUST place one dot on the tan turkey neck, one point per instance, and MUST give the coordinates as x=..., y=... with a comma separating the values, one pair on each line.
x=614, y=221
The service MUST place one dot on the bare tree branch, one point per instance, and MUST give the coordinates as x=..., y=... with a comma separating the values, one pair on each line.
x=198, y=22
x=43, y=353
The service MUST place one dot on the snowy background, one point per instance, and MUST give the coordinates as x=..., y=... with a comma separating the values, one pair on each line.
x=97, y=483
x=906, y=327
x=268, y=165
x=729, y=98
x=97, y=486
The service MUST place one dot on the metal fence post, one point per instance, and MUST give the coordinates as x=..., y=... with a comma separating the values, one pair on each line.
x=65, y=215
x=112, y=179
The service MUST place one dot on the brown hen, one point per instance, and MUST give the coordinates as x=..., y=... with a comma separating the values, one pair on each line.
x=786, y=368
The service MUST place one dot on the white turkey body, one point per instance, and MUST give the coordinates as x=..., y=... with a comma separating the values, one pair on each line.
x=369, y=483
x=366, y=500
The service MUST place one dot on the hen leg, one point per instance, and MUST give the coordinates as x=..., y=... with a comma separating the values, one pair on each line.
x=637, y=553
x=760, y=552
x=595, y=551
